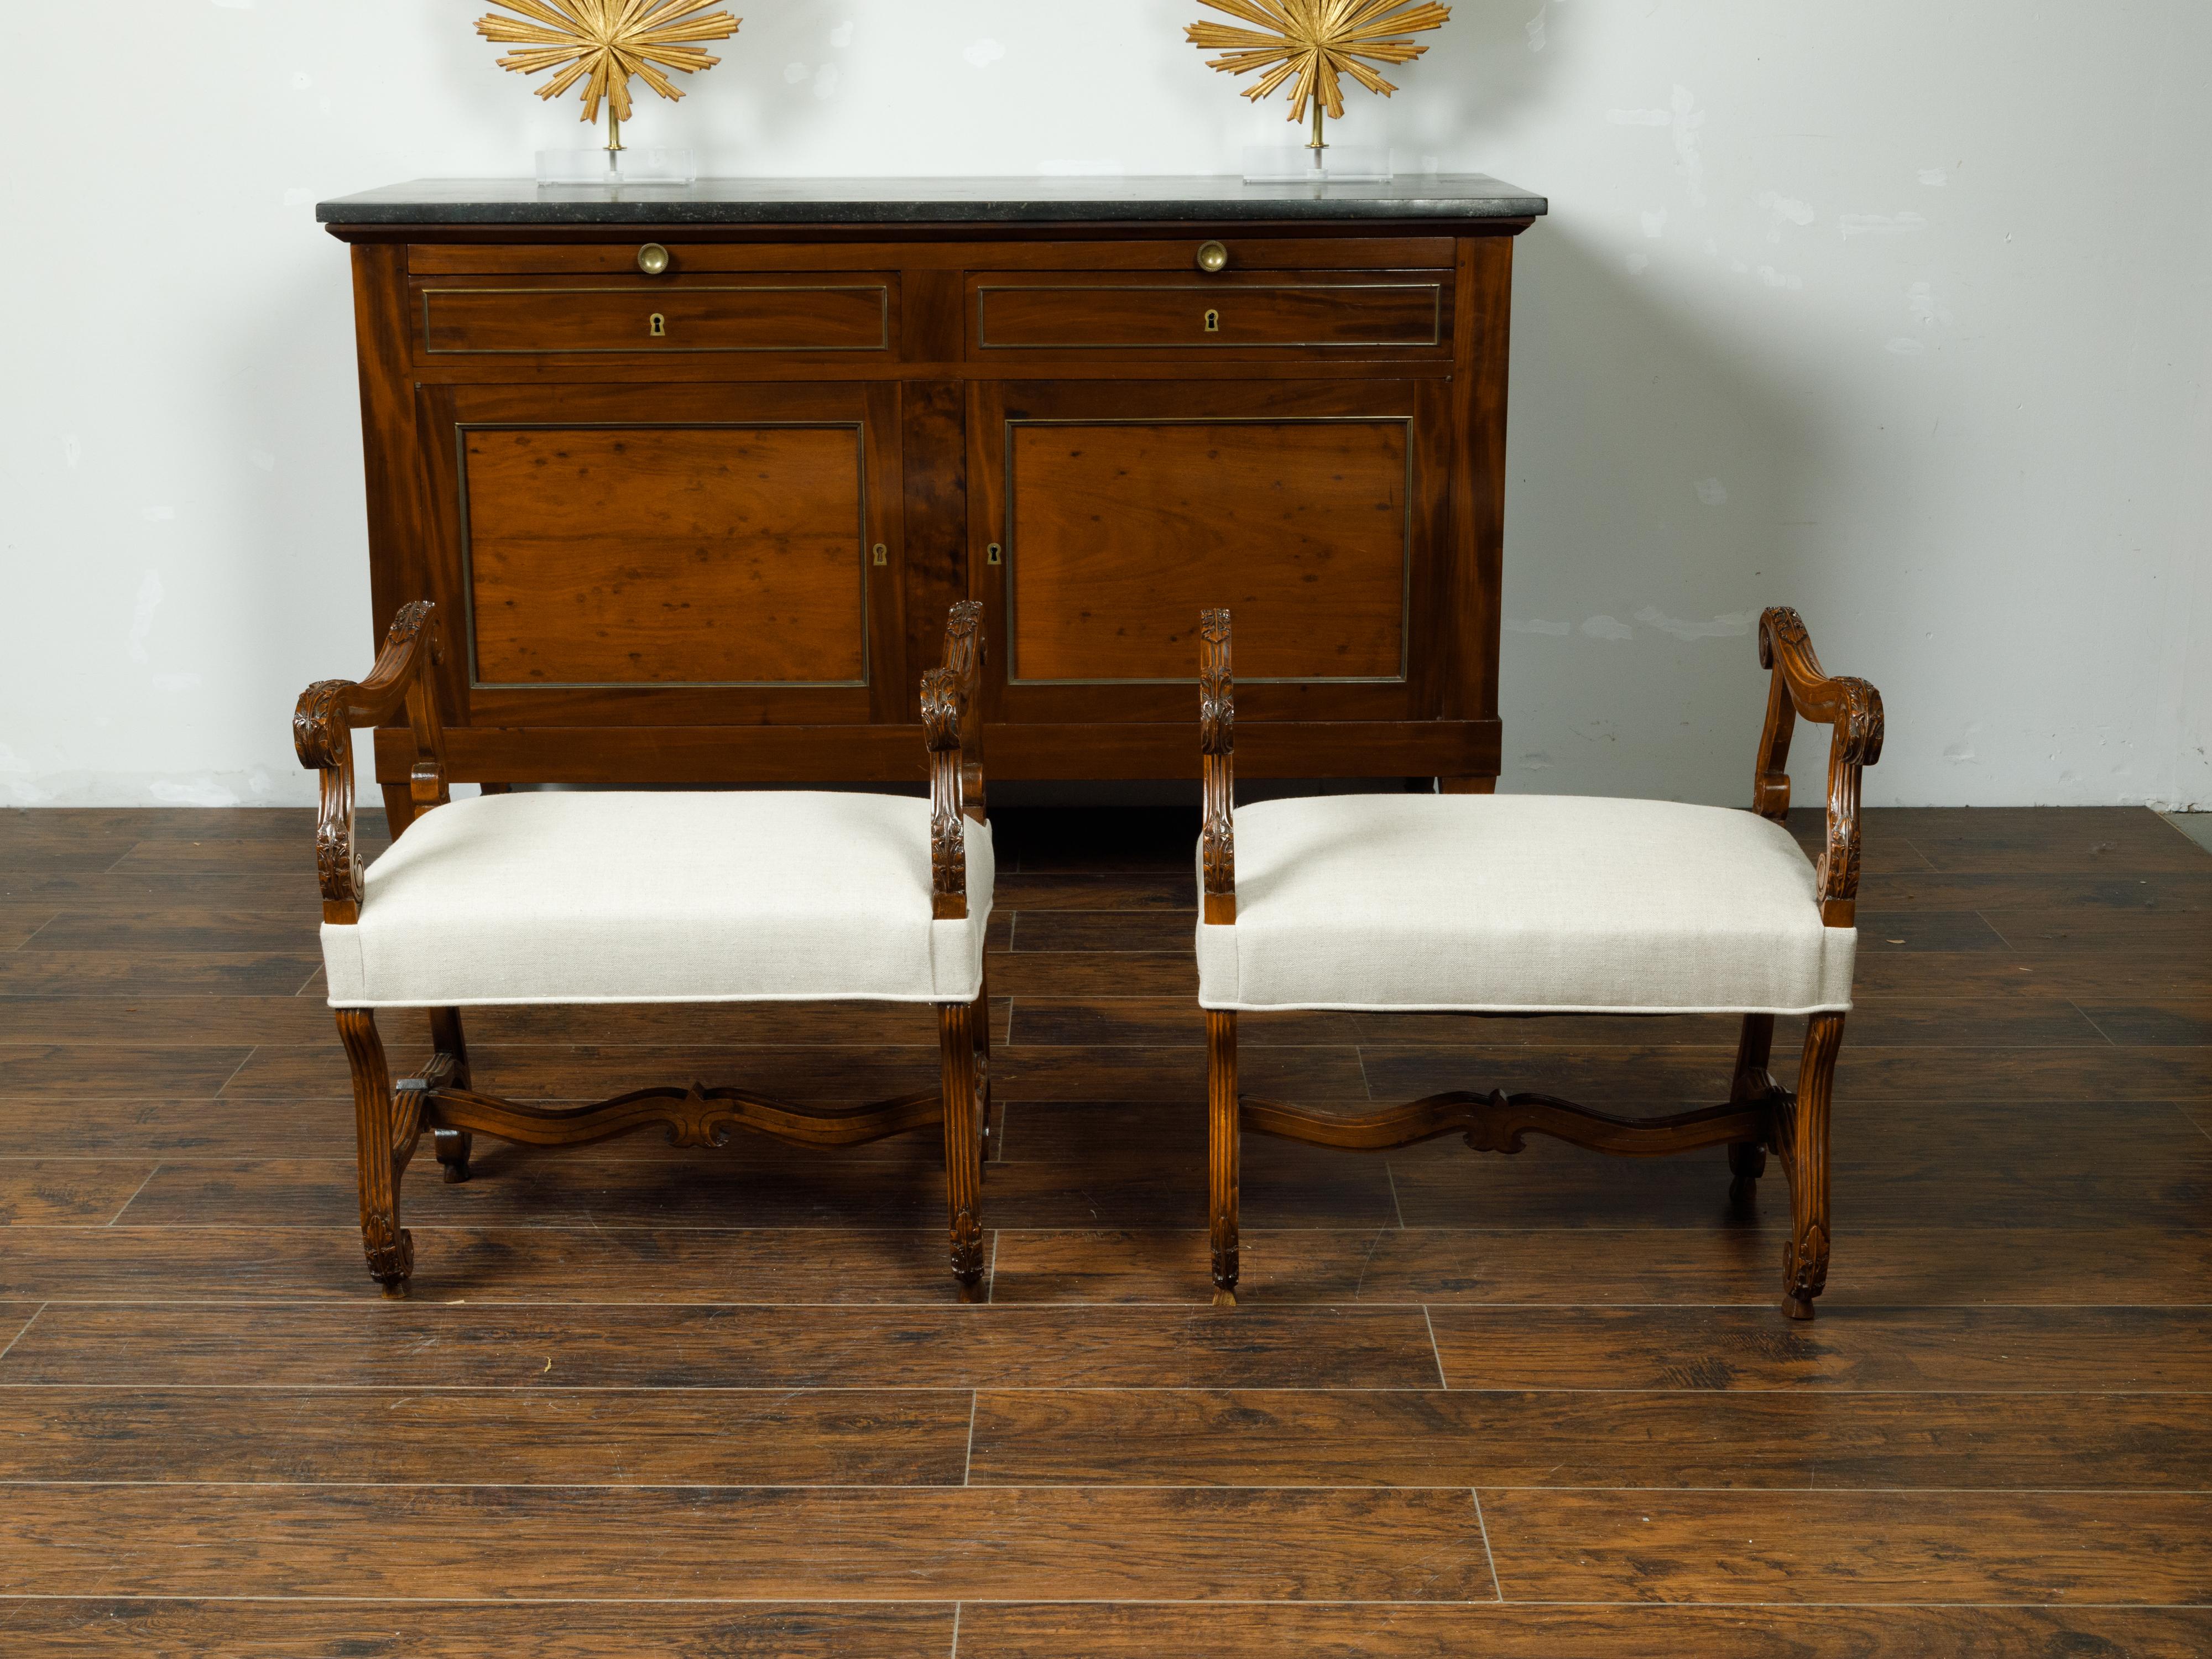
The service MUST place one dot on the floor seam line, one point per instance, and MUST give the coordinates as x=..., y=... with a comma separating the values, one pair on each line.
x=1481, y=1522
x=133, y=1199
x=27, y=1323
x=255, y=1049
x=2075, y=1006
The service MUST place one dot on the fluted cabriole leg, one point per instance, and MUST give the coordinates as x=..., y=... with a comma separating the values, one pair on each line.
x=1804, y=1152
x=1752, y=1081
x=1221, y=1151
x=453, y=1145
x=963, y=1162
x=391, y=1251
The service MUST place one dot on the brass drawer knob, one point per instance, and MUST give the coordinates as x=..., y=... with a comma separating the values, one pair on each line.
x=652, y=259
x=1212, y=258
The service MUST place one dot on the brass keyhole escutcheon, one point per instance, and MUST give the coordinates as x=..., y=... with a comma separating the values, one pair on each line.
x=659, y=327
x=1213, y=322
x=992, y=553
x=652, y=259
x=1212, y=258
x=883, y=554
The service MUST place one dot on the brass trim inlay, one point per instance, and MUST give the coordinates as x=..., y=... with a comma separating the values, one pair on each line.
x=1404, y=675
x=1218, y=295
x=462, y=429
x=660, y=295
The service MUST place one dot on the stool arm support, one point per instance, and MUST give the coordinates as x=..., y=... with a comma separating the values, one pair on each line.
x=952, y=727
x=1852, y=710
x=323, y=724
x=1217, y=743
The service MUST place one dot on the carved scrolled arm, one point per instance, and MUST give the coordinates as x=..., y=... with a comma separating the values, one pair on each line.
x=953, y=729
x=323, y=723
x=1217, y=743
x=1851, y=708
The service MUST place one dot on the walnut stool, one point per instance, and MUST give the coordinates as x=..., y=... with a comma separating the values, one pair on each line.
x=516, y=899
x=1542, y=905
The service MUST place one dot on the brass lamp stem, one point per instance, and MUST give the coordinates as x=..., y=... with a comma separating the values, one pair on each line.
x=614, y=127
x=1321, y=114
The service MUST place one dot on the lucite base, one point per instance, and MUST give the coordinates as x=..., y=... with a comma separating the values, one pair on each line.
x=618, y=167
x=1337, y=164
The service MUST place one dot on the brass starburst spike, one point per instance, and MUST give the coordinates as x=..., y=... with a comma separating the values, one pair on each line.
x=1313, y=44
x=605, y=44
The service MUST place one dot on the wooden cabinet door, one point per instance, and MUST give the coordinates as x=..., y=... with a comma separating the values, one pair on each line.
x=670, y=554
x=1105, y=516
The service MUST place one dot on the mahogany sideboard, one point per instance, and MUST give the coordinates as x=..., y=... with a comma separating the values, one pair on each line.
x=694, y=472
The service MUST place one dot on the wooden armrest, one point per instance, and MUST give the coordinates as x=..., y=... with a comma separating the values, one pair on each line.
x=322, y=732
x=1852, y=710
x=1217, y=743
x=952, y=726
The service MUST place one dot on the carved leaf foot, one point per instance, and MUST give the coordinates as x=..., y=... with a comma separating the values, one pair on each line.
x=967, y=1250
x=391, y=1255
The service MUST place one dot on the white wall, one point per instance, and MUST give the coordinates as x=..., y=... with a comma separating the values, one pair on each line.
x=1892, y=310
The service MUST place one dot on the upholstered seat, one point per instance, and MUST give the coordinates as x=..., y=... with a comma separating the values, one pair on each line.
x=701, y=897
x=1521, y=904
x=735, y=896
x=1469, y=905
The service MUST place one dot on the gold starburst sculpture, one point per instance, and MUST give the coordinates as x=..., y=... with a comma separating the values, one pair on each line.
x=1314, y=44
x=602, y=43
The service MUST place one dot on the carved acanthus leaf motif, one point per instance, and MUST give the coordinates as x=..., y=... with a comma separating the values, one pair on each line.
x=948, y=854
x=1783, y=624
x=1805, y=1263
x=966, y=1244
x=1859, y=725
x=390, y=1255
x=1217, y=703
x=941, y=710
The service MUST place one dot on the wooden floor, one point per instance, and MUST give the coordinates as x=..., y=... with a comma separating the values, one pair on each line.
x=724, y=1404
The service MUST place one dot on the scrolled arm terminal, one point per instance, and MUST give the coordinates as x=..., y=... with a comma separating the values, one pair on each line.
x=1217, y=742
x=323, y=724
x=1851, y=708
x=953, y=729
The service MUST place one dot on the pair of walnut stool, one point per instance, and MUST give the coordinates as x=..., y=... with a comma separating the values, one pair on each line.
x=1443, y=904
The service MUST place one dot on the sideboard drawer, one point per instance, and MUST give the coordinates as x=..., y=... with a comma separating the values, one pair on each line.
x=1309, y=311
x=840, y=313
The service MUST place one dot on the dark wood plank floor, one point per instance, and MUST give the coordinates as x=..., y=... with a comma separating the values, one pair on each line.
x=724, y=1404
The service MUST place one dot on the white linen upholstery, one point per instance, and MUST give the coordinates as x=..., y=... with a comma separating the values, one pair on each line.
x=736, y=896
x=1521, y=904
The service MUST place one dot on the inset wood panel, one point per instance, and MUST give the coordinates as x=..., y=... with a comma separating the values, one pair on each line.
x=1303, y=528
x=704, y=554
x=657, y=318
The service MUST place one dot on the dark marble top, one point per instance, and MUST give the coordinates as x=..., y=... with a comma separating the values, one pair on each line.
x=925, y=201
